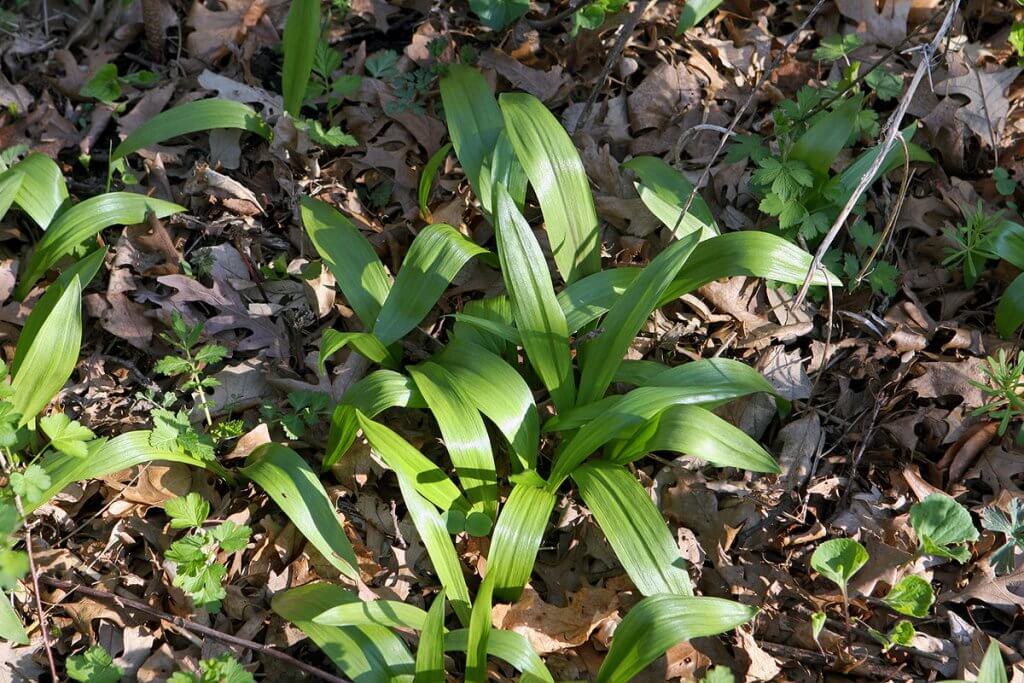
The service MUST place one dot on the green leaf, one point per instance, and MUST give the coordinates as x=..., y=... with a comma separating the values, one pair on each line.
x=297, y=490
x=95, y=665
x=836, y=46
x=368, y=654
x=821, y=144
x=497, y=14
x=103, y=85
x=390, y=613
x=516, y=539
x=508, y=646
x=82, y=221
x=301, y=30
x=664, y=191
x=193, y=117
x=474, y=124
x=231, y=537
x=42, y=192
x=559, y=180
x=187, y=511
x=943, y=527
x=1010, y=309
x=902, y=633
x=10, y=184
x=431, y=482
x=887, y=86
x=786, y=178
x=349, y=257
x=364, y=343
x=66, y=435
x=694, y=12
x=602, y=355
x=436, y=255
x=698, y=432
x=479, y=632
x=434, y=535
x=31, y=483
x=838, y=560
x=430, y=652
x=427, y=176
x=634, y=528
x=658, y=622
x=464, y=433
x=11, y=629
x=506, y=170
x=48, y=363
x=588, y=299
x=992, y=669
x=817, y=624
x=541, y=324
x=911, y=596
x=852, y=174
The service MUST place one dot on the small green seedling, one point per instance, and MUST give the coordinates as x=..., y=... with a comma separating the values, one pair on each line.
x=836, y=47
x=1004, y=382
x=817, y=625
x=305, y=409
x=192, y=361
x=222, y=669
x=838, y=560
x=196, y=571
x=95, y=665
x=718, y=674
x=973, y=240
x=912, y=596
x=943, y=527
x=1005, y=184
x=1010, y=524
x=105, y=84
x=992, y=669
x=901, y=634
x=592, y=15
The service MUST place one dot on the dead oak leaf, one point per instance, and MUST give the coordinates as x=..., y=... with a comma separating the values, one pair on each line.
x=943, y=378
x=985, y=113
x=548, y=86
x=550, y=628
x=887, y=26
x=1004, y=593
x=214, y=31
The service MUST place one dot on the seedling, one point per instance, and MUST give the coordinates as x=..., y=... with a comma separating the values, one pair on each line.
x=221, y=669
x=912, y=596
x=818, y=620
x=974, y=243
x=902, y=634
x=1004, y=386
x=305, y=409
x=191, y=361
x=1010, y=524
x=943, y=528
x=95, y=665
x=592, y=15
x=193, y=555
x=838, y=560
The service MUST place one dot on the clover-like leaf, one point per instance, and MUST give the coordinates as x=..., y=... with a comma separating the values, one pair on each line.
x=943, y=527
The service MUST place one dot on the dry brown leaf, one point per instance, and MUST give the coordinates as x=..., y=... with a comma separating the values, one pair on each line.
x=987, y=108
x=887, y=26
x=550, y=628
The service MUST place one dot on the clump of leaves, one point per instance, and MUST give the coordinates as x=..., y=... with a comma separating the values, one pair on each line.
x=901, y=634
x=191, y=361
x=95, y=665
x=1003, y=387
x=221, y=669
x=409, y=87
x=194, y=555
x=943, y=527
x=838, y=560
x=973, y=242
x=1011, y=524
x=912, y=596
x=305, y=409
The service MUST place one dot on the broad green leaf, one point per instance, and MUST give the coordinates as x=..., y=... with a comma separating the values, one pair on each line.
x=694, y=12
x=52, y=356
x=496, y=309
x=427, y=176
x=11, y=628
x=634, y=528
x=1010, y=309
x=474, y=123
x=390, y=613
x=497, y=14
x=430, y=652
x=477, y=372
x=838, y=560
x=297, y=490
x=943, y=527
x=992, y=669
x=1008, y=243
x=42, y=191
x=436, y=539
x=559, y=180
x=366, y=654
x=371, y=395
x=436, y=255
x=912, y=596
x=698, y=432
x=664, y=191
x=479, y=632
x=516, y=539
x=588, y=299
x=349, y=257
x=431, y=482
x=107, y=456
x=506, y=170
x=10, y=183
x=658, y=622
x=819, y=146
x=83, y=272
x=301, y=32
x=852, y=174
x=193, y=117
x=603, y=354
x=464, y=432
x=494, y=328
x=82, y=221
x=364, y=343
x=507, y=646
x=539, y=320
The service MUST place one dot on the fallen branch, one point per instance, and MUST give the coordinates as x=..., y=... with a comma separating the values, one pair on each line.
x=819, y=660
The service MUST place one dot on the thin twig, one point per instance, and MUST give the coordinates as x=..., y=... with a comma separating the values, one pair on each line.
x=892, y=129
x=189, y=625
x=40, y=612
x=893, y=215
x=878, y=671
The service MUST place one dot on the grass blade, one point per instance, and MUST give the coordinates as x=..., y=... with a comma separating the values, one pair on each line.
x=364, y=343
x=434, y=258
x=11, y=629
x=82, y=221
x=430, y=652
x=507, y=646
x=349, y=257
x=301, y=33
x=479, y=632
x=42, y=191
x=603, y=355
x=556, y=172
x=588, y=299
x=474, y=124
x=368, y=654
x=694, y=12
x=634, y=528
x=297, y=490
x=516, y=539
x=427, y=179
x=541, y=324
x=658, y=622
x=193, y=117
x=438, y=542
x=428, y=479
x=465, y=435
x=389, y=613
x=664, y=191
x=1010, y=309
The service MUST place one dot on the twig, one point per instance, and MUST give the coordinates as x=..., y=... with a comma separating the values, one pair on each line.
x=552, y=20
x=188, y=624
x=893, y=215
x=620, y=44
x=877, y=671
x=892, y=129
x=40, y=612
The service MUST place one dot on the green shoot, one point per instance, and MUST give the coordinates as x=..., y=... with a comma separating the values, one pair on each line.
x=902, y=634
x=973, y=243
x=943, y=527
x=836, y=47
x=1011, y=525
x=221, y=669
x=192, y=361
x=1005, y=382
x=838, y=560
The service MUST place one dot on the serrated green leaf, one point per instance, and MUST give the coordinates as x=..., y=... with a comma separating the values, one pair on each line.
x=187, y=511
x=66, y=435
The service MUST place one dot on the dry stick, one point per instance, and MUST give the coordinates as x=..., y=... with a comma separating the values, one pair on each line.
x=189, y=625
x=743, y=108
x=817, y=659
x=41, y=613
x=892, y=129
x=891, y=223
x=620, y=44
